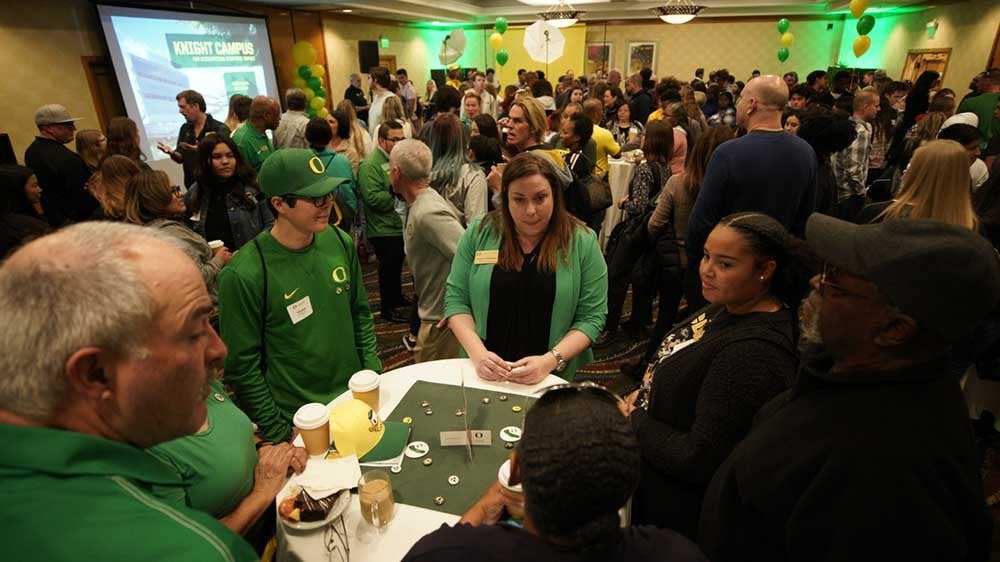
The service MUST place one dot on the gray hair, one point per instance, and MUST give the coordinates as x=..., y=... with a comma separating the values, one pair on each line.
x=413, y=158
x=79, y=288
x=295, y=99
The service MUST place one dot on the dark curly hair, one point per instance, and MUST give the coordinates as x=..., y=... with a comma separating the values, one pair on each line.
x=579, y=463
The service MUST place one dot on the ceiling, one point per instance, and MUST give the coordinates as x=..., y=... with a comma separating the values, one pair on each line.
x=482, y=12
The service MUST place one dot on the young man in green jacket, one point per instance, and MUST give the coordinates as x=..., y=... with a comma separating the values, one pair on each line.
x=384, y=228
x=292, y=305
x=105, y=350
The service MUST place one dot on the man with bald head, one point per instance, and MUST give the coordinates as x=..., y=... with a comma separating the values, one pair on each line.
x=105, y=350
x=251, y=139
x=767, y=170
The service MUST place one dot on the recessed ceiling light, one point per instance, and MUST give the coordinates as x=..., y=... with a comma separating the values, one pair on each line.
x=346, y=11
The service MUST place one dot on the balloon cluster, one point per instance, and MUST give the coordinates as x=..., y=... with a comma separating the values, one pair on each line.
x=496, y=40
x=787, y=38
x=309, y=78
x=866, y=22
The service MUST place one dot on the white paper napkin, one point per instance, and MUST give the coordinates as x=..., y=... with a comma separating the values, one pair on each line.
x=322, y=478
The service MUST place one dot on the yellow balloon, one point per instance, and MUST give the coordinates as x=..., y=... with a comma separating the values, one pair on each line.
x=496, y=41
x=310, y=94
x=317, y=70
x=787, y=39
x=861, y=45
x=299, y=83
x=322, y=113
x=317, y=103
x=858, y=7
x=304, y=53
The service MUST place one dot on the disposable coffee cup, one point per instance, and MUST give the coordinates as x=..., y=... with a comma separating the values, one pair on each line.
x=216, y=244
x=313, y=423
x=364, y=386
x=514, y=493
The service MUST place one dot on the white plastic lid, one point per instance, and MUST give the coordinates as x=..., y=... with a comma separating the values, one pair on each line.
x=363, y=381
x=503, y=475
x=311, y=416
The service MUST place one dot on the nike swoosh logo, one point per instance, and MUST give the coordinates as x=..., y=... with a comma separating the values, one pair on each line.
x=290, y=295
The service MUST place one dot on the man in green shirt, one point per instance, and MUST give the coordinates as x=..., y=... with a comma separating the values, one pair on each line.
x=384, y=228
x=105, y=349
x=292, y=305
x=251, y=139
x=984, y=105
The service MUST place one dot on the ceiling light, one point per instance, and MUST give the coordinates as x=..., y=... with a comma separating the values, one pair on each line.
x=346, y=11
x=678, y=11
x=561, y=15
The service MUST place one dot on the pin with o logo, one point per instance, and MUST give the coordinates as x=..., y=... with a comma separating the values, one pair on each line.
x=339, y=274
x=316, y=165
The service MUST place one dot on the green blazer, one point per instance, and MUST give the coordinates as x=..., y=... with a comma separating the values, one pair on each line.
x=581, y=301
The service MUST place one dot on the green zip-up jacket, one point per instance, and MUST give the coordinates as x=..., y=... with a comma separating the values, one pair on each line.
x=318, y=329
x=69, y=496
x=581, y=301
x=380, y=205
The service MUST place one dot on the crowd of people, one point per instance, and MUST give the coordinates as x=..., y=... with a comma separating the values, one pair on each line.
x=798, y=397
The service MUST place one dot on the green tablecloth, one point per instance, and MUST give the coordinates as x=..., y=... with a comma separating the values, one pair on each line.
x=417, y=484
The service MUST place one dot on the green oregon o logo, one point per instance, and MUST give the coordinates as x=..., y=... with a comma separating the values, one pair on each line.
x=339, y=274
x=316, y=165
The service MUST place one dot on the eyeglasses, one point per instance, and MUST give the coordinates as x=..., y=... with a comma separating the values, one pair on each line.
x=320, y=201
x=581, y=387
x=831, y=271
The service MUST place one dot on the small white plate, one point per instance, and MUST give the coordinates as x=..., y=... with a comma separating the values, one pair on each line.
x=338, y=507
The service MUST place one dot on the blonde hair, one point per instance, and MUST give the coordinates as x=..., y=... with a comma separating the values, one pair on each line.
x=936, y=186
x=108, y=184
x=147, y=197
x=88, y=147
x=534, y=114
x=357, y=133
x=392, y=109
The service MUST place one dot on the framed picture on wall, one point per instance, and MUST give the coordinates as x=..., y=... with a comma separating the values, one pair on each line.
x=641, y=54
x=599, y=57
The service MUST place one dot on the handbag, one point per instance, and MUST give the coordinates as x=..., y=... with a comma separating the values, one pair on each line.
x=599, y=193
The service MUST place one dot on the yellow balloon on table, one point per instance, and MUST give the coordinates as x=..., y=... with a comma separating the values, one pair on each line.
x=317, y=70
x=858, y=7
x=496, y=41
x=787, y=38
x=317, y=103
x=861, y=45
x=304, y=53
x=310, y=93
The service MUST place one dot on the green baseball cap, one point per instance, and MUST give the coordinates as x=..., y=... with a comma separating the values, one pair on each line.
x=295, y=171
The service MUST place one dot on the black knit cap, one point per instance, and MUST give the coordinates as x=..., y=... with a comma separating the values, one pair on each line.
x=945, y=276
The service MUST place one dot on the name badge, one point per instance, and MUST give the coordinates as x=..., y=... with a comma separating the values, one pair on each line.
x=487, y=257
x=300, y=310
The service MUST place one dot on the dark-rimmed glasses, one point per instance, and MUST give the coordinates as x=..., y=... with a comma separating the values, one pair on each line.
x=316, y=201
x=824, y=282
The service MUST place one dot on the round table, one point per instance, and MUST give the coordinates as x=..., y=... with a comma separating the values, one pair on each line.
x=619, y=176
x=409, y=523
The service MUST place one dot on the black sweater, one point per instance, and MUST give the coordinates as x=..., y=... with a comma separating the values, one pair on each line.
x=703, y=401
x=853, y=466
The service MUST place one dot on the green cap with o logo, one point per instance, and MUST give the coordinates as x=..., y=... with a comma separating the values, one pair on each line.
x=296, y=171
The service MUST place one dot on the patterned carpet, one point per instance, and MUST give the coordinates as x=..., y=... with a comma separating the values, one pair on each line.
x=605, y=367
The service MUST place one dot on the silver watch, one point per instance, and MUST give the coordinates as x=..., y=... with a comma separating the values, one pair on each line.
x=560, y=360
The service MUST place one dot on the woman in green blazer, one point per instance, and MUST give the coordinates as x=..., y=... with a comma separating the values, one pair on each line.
x=527, y=292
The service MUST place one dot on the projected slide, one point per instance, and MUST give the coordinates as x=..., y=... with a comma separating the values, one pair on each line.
x=157, y=54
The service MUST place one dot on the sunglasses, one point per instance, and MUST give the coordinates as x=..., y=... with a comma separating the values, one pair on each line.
x=316, y=201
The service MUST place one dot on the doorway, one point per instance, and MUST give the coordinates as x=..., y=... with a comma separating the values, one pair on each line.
x=920, y=60
x=388, y=61
x=104, y=89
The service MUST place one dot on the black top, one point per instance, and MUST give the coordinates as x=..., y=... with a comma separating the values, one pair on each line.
x=217, y=225
x=576, y=197
x=357, y=98
x=859, y=466
x=712, y=374
x=17, y=229
x=520, y=313
x=642, y=105
x=63, y=176
x=187, y=135
x=499, y=543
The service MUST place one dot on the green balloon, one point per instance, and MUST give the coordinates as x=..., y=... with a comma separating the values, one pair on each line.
x=314, y=83
x=310, y=111
x=502, y=57
x=783, y=25
x=320, y=93
x=304, y=72
x=501, y=26
x=866, y=24
x=783, y=54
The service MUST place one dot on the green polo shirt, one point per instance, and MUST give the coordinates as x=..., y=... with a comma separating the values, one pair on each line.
x=253, y=144
x=72, y=496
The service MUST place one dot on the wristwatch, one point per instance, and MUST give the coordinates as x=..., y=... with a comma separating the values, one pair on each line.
x=560, y=361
